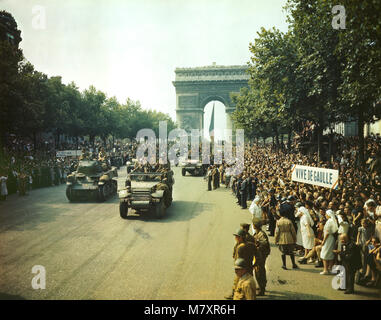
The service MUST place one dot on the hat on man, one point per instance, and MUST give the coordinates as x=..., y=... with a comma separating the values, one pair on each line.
x=240, y=233
x=298, y=205
x=245, y=225
x=240, y=264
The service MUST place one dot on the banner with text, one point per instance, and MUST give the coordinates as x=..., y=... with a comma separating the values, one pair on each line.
x=323, y=177
x=69, y=153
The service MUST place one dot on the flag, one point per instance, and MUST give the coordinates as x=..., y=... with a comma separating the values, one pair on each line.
x=211, y=125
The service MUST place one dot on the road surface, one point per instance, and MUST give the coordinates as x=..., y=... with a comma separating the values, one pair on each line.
x=89, y=252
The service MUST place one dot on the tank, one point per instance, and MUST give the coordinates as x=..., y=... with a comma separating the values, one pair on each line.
x=92, y=179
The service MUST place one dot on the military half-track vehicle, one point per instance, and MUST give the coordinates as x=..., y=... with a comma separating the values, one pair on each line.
x=91, y=179
x=146, y=192
x=194, y=167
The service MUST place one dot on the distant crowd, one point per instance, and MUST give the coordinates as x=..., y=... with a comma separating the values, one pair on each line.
x=23, y=168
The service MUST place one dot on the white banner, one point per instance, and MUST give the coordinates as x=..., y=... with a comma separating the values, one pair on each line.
x=69, y=153
x=323, y=177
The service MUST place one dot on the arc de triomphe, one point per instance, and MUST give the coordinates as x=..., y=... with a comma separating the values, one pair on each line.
x=196, y=87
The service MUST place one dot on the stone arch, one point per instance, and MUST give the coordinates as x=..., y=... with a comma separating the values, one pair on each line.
x=195, y=87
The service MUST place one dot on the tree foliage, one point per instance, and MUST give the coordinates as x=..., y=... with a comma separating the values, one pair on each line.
x=314, y=72
x=32, y=103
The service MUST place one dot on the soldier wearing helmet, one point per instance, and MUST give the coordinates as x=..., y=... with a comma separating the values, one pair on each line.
x=245, y=288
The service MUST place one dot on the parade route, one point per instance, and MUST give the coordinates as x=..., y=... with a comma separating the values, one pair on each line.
x=89, y=252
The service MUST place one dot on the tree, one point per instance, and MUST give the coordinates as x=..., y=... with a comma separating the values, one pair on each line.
x=10, y=93
x=320, y=67
x=93, y=100
x=360, y=48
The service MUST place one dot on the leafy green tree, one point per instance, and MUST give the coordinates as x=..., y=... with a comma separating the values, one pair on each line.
x=93, y=100
x=320, y=67
x=10, y=93
x=360, y=48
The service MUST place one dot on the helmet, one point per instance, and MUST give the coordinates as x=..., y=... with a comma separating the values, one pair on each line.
x=240, y=233
x=298, y=205
x=240, y=264
x=245, y=225
x=291, y=198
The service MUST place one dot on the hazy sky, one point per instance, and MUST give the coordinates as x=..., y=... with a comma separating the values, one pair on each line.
x=130, y=48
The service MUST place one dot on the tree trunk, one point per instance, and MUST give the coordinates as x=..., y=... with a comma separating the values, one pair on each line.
x=289, y=139
x=319, y=142
x=330, y=147
x=320, y=134
x=34, y=140
x=360, y=130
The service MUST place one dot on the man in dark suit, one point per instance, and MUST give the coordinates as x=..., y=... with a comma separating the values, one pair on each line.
x=244, y=187
x=350, y=256
x=238, y=190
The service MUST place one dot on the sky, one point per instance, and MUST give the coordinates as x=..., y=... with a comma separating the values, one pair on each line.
x=130, y=48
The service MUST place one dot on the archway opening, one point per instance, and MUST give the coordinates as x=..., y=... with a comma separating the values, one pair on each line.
x=219, y=119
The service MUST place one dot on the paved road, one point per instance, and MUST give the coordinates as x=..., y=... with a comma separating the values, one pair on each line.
x=89, y=252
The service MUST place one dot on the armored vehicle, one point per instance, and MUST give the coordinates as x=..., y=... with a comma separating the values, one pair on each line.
x=92, y=178
x=146, y=192
x=194, y=167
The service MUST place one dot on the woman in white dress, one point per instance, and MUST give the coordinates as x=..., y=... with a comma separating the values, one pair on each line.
x=327, y=255
x=256, y=211
x=308, y=236
x=298, y=215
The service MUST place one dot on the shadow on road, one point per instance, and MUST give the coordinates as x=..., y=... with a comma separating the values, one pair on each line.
x=178, y=211
x=6, y=296
x=289, y=295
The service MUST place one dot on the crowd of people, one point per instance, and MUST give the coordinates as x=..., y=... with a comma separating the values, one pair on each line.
x=23, y=168
x=323, y=226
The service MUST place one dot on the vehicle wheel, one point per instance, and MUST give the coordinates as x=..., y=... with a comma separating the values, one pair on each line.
x=160, y=210
x=123, y=210
x=168, y=200
x=183, y=172
x=69, y=194
x=115, y=187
